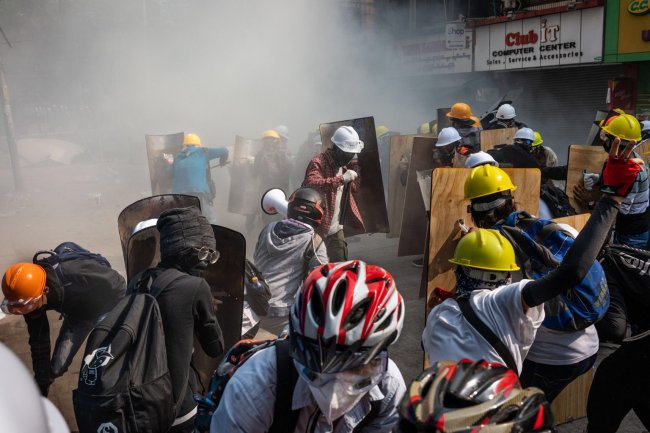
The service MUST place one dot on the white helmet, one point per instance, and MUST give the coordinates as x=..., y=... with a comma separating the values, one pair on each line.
x=645, y=125
x=282, y=131
x=480, y=158
x=21, y=406
x=448, y=136
x=347, y=139
x=525, y=134
x=506, y=111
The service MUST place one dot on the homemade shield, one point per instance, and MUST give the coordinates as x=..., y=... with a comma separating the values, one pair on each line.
x=414, y=216
x=225, y=277
x=244, y=189
x=448, y=205
x=146, y=209
x=400, y=156
x=581, y=158
x=161, y=150
x=370, y=197
x=495, y=137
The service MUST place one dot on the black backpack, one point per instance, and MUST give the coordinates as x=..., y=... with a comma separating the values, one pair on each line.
x=557, y=201
x=124, y=383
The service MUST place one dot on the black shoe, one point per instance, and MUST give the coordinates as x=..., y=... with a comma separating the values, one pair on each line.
x=418, y=263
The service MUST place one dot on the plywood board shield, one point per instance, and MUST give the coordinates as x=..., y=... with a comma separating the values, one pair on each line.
x=448, y=205
x=581, y=157
x=571, y=403
x=400, y=150
x=575, y=221
x=370, y=197
x=414, y=221
x=494, y=137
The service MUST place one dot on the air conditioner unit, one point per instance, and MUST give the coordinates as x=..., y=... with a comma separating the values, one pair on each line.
x=509, y=5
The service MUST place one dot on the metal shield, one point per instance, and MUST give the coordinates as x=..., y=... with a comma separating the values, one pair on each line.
x=225, y=277
x=161, y=150
x=400, y=156
x=148, y=208
x=370, y=197
x=414, y=215
x=244, y=188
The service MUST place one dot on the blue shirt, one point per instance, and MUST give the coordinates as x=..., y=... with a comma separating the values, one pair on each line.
x=190, y=168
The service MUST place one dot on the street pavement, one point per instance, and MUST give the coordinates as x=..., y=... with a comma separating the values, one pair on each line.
x=407, y=352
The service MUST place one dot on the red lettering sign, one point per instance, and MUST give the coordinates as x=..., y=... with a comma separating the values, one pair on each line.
x=518, y=39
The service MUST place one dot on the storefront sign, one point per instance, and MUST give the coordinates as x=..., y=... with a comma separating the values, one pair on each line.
x=429, y=55
x=634, y=27
x=551, y=40
x=639, y=7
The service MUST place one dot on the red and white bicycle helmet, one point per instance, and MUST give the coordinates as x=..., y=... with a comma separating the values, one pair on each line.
x=344, y=315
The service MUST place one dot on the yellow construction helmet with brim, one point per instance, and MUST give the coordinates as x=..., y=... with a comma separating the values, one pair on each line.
x=485, y=180
x=191, y=140
x=485, y=249
x=624, y=126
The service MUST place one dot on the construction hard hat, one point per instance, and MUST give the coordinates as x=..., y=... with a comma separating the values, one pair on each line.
x=538, y=139
x=525, y=134
x=485, y=249
x=485, y=180
x=505, y=112
x=191, y=140
x=424, y=128
x=381, y=130
x=480, y=158
x=460, y=110
x=347, y=139
x=282, y=131
x=477, y=121
x=22, y=408
x=447, y=136
x=624, y=126
x=270, y=133
x=23, y=285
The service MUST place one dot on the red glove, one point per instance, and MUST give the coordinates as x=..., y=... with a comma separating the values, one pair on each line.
x=618, y=176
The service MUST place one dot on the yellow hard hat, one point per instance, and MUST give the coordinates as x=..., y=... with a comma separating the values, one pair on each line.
x=270, y=133
x=538, y=139
x=381, y=130
x=460, y=110
x=485, y=180
x=191, y=140
x=624, y=126
x=424, y=128
x=485, y=249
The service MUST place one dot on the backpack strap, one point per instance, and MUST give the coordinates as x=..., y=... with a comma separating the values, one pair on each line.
x=476, y=322
x=284, y=419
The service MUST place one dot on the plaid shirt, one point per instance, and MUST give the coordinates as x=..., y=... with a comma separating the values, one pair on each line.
x=321, y=175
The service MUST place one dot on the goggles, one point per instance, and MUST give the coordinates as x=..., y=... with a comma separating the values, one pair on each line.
x=206, y=254
x=22, y=306
x=356, y=381
x=523, y=141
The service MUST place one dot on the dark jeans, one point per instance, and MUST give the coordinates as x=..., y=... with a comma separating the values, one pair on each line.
x=337, y=247
x=552, y=379
x=621, y=384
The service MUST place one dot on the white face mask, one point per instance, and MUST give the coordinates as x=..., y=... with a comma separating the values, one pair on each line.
x=337, y=393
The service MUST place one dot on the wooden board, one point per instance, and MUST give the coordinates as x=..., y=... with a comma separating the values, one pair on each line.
x=581, y=157
x=571, y=403
x=575, y=221
x=448, y=205
x=399, y=145
x=494, y=137
x=414, y=221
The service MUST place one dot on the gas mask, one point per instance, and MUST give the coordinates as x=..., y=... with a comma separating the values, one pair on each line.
x=340, y=157
x=444, y=155
x=337, y=393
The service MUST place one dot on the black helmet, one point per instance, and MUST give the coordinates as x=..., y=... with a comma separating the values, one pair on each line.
x=305, y=206
x=468, y=396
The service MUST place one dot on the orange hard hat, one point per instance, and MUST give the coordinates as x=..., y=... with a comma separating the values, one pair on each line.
x=23, y=285
x=460, y=110
x=191, y=140
x=270, y=133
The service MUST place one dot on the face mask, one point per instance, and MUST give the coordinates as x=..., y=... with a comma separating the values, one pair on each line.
x=337, y=393
x=466, y=282
x=340, y=157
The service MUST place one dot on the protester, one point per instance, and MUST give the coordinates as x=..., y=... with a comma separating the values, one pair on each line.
x=505, y=118
x=519, y=154
x=513, y=312
x=461, y=118
x=187, y=246
x=470, y=396
x=286, y=251
x=344, y=318
x=82, y=294
x=336, y=174
x=192, y=174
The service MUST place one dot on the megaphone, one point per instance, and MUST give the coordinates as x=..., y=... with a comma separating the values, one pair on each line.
x=274, y=201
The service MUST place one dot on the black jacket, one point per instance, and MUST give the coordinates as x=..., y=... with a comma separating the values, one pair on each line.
x=90, y=290
x=512, y=155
